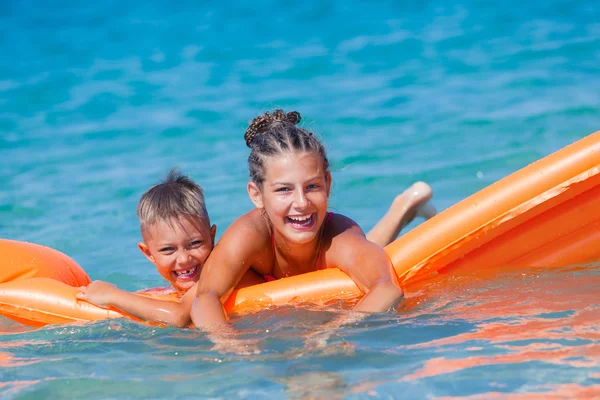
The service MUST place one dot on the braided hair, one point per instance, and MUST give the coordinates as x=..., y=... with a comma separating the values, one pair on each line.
x=274, y=134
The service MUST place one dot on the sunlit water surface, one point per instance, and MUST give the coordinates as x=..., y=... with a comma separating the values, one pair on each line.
x=98, y=101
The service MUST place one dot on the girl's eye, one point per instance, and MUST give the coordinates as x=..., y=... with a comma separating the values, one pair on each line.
x=196, y=243
x=312, y=186
x=167, y=250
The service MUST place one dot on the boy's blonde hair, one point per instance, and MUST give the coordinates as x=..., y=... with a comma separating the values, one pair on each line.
x=175, y=197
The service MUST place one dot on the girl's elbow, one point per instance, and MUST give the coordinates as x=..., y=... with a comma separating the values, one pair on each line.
x=399, y=293
x=393, y=288
x=394, y=295
x=207, y=310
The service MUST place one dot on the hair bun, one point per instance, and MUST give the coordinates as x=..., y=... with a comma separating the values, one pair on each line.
x=261, y=123
x=293, y=117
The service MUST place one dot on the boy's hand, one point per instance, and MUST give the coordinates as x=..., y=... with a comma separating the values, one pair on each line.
x=98, y=292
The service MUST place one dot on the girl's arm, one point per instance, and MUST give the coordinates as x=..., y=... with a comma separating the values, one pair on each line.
x=367, y=264
x=106, y=295
x=241, y=245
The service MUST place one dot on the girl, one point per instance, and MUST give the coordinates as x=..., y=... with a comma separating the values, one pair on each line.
x=290, y=231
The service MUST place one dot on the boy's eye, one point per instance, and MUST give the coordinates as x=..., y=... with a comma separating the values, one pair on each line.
x=282, y=189
x=312, y=186
x=196, y=243
x=166, y=249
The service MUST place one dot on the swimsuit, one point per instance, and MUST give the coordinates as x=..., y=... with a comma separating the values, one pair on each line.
x=271, y=278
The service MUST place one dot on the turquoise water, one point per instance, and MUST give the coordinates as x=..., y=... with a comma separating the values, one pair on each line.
x=98, y=101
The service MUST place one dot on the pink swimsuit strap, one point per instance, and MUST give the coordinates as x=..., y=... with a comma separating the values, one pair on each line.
x=271, y=278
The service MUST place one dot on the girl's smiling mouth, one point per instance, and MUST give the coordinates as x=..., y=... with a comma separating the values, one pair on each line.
x=301, y=222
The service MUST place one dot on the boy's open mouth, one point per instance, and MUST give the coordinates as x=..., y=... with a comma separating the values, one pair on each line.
x=301, y=222
x=186, y=273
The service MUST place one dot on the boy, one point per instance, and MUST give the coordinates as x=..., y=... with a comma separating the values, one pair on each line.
x=178, y=238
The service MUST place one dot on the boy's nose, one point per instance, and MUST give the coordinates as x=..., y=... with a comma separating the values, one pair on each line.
x=183, y=257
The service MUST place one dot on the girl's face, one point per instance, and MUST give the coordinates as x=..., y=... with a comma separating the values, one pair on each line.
x=294, y=195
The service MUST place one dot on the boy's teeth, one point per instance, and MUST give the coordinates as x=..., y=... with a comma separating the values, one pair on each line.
x=186, y=272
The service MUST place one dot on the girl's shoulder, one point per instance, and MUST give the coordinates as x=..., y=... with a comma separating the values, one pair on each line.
x=246, y=242
x=338, y=226
x=341, y=234
x=346, y=245
x=252, y=228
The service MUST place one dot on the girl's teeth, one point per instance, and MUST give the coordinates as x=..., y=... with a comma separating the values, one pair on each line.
x=300, y=219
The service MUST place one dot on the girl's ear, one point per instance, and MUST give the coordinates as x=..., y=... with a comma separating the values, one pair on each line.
x=255, y=195
x=328, y=182
x=146, y=251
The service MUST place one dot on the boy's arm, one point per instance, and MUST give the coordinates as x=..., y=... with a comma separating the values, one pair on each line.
x=107, y=295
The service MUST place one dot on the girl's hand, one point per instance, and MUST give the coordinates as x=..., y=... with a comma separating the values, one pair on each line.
x=318, y=340
x=227, y=341
x=242, y=347
x=98, y=293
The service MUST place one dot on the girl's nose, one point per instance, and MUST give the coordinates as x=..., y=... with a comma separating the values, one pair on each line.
x=301, y=201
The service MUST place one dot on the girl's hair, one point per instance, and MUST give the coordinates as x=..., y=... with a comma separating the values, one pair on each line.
x=175, y=197
x=274, y=134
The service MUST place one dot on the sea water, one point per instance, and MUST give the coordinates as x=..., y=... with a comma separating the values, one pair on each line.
x=99, y=100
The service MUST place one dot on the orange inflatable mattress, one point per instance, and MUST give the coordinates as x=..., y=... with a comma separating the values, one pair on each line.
x=545, y=215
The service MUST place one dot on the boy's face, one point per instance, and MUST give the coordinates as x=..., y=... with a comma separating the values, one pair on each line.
x=179, y=249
